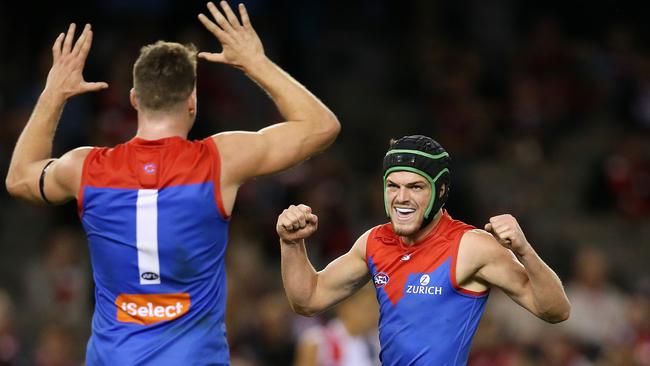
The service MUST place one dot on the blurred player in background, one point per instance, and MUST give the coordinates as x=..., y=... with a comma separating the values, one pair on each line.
x=156, y=208
x=432, y=273
x=348, y=339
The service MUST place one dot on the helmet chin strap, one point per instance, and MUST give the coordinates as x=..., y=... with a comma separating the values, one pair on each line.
x=428, y=217
x=427, y=221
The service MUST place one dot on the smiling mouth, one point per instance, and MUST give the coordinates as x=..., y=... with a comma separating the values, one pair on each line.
x=404, y=213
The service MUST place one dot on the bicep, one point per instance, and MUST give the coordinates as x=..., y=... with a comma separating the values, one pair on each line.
x=504, y=271
x=343, y=277
x=40, y=182
x=270, y=150
x=23, y=182
x=63, y=177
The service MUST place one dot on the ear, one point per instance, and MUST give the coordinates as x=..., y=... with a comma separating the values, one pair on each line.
x=133, y=99
x=191, y=102
x=443, y=190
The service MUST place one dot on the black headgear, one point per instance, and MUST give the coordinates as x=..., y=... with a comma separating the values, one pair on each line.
x=424, y=156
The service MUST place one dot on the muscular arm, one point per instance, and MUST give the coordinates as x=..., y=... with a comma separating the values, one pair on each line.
x=309, y=125
x=34, y=147
x=61, y=181
x=509, y=262
x=311, y=292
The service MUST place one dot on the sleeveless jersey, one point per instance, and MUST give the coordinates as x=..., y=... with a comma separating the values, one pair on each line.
x=425, y=317
x=157, y=233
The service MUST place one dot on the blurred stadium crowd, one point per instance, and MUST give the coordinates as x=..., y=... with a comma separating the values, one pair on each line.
x=545, y=110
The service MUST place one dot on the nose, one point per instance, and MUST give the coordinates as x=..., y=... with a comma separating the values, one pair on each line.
x=402, y=195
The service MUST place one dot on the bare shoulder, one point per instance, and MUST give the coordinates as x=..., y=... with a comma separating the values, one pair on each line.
x=239, y=143
x=64, y=175
x=72, y=161
x=230, y=140
x=77, y=155
x=478, y=247
x=359, y=247
x=241, y=154
x=478, y=237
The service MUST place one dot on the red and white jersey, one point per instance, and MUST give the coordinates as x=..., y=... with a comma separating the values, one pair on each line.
x=336, y=347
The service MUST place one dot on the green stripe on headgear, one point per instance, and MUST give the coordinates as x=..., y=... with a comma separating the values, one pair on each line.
x=418, y=152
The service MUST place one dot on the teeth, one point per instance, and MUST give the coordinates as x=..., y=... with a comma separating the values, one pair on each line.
x=405, y=210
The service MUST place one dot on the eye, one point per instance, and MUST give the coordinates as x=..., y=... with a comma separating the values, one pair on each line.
x=391, y=185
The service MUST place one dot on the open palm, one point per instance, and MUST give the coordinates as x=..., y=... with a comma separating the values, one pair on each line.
x=66, y=74
x=241, y=44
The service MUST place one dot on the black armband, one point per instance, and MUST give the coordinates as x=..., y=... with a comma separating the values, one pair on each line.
x=41, y=182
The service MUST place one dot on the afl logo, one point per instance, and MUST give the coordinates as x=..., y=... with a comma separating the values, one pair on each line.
x=149, y=276
x=149, y=168
x=424, y=280
x=380, y=279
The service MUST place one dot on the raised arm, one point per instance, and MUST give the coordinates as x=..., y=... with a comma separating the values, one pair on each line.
x=309, y=127
x=311, y=292
x=34, y=147
x=507, y=260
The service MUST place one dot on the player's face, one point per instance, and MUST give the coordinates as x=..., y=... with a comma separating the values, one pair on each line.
x=408, y=196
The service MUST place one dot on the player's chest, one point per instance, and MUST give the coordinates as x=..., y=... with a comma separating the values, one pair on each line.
x=419, y=274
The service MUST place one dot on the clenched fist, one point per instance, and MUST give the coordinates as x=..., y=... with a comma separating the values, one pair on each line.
x=507, y=232
x=296, y=223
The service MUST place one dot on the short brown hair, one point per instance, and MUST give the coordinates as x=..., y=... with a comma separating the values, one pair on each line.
x=164, y=75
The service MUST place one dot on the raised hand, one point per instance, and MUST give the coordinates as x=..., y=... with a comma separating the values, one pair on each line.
x=508, y=233
x=241, y=45
x=296, y=223
x=66, y=75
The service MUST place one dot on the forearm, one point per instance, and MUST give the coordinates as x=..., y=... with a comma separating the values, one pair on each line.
x=35, y=142
x=548, y=293
x=298, y=276
x=293, y=100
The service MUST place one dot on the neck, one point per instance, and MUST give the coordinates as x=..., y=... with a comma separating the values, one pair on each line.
x=423, y=232
x=154, y=126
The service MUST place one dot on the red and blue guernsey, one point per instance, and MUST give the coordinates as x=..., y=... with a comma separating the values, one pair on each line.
x=157, y=233
x=426, y=318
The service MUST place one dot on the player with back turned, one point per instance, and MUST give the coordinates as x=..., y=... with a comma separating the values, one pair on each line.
x=432, y=274
x=156, y=208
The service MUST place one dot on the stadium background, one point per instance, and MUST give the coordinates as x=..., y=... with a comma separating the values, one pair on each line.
x=544, y=108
